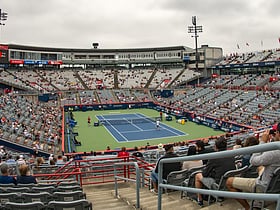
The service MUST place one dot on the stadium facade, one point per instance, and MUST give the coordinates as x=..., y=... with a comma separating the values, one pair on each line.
x=16, y=56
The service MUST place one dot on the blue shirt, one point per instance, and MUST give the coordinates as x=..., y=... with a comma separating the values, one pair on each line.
x=26, y=180
x=7, y=180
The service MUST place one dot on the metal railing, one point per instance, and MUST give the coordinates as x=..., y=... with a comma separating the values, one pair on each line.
x=137, y=180
x=215, y=155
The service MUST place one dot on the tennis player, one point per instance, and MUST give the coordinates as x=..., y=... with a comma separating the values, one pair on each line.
x=88, y=120
x=157, y=124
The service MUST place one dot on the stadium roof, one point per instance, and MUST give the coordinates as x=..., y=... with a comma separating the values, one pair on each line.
x=37, y=48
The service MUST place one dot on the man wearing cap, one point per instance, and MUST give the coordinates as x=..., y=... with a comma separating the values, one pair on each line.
x=167, y=167
x=269, y=160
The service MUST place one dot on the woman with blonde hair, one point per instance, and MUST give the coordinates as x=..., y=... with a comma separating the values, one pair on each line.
x=25, y=176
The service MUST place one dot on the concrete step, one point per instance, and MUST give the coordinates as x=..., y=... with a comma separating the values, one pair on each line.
x=102, y=197
x=172, y=200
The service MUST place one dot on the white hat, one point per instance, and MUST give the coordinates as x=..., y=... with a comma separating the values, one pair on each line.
x=160, y=146
x=21, y=157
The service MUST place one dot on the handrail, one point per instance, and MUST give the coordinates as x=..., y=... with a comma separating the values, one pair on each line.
x=215, y=155
x=128, y=179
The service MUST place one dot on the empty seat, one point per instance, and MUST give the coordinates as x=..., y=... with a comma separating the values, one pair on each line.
x=69, y=196
x=17, y=189
x=23, y=206
x=49, y=189
x=8, y=197
x=68, y=188
x=74, y=205
x=43, y=197
x=29, y=185
x=69, y=183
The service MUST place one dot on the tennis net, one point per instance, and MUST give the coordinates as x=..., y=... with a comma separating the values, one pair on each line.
x=123, y=121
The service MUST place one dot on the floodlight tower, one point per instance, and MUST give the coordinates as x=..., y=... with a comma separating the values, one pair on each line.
x=3, y=17
x=195, y=29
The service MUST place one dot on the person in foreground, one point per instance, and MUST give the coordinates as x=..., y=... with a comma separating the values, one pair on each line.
x=269, y=160
x=5, y=178
x=25, y=176
x=214, y=169
x=167, y=167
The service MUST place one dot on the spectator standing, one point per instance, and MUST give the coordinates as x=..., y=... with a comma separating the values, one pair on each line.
x=123, y=153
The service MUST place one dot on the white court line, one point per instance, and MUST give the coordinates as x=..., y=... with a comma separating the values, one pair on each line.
x=134, y=125
x=115, y=130
x=165, y=127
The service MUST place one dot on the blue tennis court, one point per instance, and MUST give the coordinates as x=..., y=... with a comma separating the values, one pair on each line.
x=133, y=127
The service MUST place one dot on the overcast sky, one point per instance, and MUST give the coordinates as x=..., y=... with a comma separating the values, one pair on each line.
x=142, y=23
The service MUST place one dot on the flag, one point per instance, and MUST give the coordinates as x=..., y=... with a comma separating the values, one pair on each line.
x=238, y=46
x=279, y=39
x=247, y=44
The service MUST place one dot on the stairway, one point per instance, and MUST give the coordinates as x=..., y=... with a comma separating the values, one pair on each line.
x=102, y=197
x=176, y=78
x=76, y=74
x=151, y=78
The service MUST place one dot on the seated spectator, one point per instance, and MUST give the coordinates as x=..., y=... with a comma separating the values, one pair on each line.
x=51, y=158
x=167, y=167
x=25, y=176
x=5, y=178
x=137, y=153
x=123, y=153
x=250, y=141
x=269, y=160
x=200, y=147
x=191, y=163
x=20, y=160
x=40, y=161
x=61, y=160
x=160, y=151
x=10, y=160
x=214, y=169
x=238, y=144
